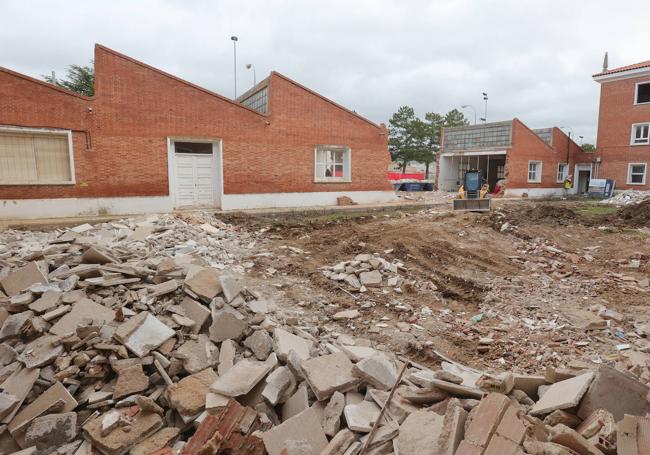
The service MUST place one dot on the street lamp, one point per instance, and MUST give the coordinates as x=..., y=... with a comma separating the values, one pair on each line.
x=249, y=66
x=485, y=98
x=234, y=44
x=465, y=106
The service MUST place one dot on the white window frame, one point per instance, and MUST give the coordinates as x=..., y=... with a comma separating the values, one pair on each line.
x=48, y=131
x=347, y=164
x=633, y=135
x=561, y=178
x=629, y=173
x=538, y=179
x=636, y=93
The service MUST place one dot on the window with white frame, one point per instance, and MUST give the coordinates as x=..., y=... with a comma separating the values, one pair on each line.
x=636, y=173
x=640, y=134
x=35, y=157
x=501, y=171
x=562, y=172
x=534, y=171
x=642, y=93
x=332, y=163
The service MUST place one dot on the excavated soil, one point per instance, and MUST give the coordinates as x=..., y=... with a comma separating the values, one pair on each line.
x=544, y=269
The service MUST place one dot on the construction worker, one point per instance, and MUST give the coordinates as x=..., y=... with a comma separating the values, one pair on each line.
x=568, y=184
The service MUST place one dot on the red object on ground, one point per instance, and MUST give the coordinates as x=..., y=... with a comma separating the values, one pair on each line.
x=399, y=176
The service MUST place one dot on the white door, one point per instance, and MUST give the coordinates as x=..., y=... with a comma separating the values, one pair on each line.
x=195, y=180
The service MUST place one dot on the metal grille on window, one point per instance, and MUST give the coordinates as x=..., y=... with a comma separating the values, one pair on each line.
x=258, y=101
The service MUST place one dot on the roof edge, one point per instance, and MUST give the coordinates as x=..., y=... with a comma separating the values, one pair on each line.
x=46, y=84
x=334, y=103
x=176, y=78
x=530, y=130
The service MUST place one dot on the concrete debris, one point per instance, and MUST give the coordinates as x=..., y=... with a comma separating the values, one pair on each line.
x=152, y=338
x=329, y=373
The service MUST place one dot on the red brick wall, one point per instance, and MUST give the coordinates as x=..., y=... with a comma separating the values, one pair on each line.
x=616, y=116
x=137, y=107
x=526, y=145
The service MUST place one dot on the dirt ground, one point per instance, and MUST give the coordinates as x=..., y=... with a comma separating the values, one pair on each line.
x=521, y=283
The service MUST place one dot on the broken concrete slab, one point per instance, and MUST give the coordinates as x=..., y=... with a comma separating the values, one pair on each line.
x=195, y=311
x=48, y=301
x=357, y=353
x=370, y=279
x=15, y=325
x=339, y=444
x=162, y=438
x=51, y=431
x=204, y=283
x=302, y=427
x=485, y=420
x=346, y=315
x=129, y=381
x=120, y=440
x=284, y=342
x=420, y=432
x=57, y=396
x=95, y=255
x=563, y=435
x=227, y=326
x=629, y=398
x=280, y=384
x=563, y=395
x=260, y=343
x=226, y=356
x=331, y=422
x=360, y=417
x=453, y=427
x=296, y=403
x=241, y=378
x=329, y=373
x=18, y=384
x=84, y=309
x=188, y=395
x=41, y=351
x=19, y=280
x=230, y=286
x=163, y=288
x=377, y=371
x=143, y=333
x=199, y=354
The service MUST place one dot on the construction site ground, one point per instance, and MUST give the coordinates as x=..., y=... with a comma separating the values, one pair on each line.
x=514, y=289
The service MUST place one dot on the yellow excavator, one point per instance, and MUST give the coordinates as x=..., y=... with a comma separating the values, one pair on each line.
x=471, y=194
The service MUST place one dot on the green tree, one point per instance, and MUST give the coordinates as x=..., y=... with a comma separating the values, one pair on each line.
x=80, y=79
x=588, y=147
x=402, y=135
x=455, y=118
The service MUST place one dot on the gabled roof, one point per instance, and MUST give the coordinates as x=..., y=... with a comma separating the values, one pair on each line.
x=622, y=69
x=178, y=79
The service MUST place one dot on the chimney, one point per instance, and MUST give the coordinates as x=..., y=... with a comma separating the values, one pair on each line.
x=605, y=62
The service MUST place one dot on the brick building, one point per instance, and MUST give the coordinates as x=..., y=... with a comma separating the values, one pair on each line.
x=623, y=144
x=535, y=162
x=151, y=142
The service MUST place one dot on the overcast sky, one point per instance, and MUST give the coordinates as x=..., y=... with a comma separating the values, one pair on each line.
x=534, y=58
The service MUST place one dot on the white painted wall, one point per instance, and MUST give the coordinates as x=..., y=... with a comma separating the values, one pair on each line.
x=534, y=192
x=324, y=198
x=69, y=207
x=72, y=207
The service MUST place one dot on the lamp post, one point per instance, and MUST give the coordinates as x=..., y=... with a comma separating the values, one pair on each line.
x=234, y=46
x=249, y=66
x=465, y=106
x=485, y=98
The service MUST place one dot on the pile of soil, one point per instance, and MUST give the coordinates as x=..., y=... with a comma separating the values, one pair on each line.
x=634, y=215
x=547, y=213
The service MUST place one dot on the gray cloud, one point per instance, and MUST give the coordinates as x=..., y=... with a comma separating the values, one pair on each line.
x=534, y=58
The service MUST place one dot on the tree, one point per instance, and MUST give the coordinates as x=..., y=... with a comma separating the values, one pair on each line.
x=413, y=139
x=80, y=79
x=401, y=135
x=588, y=147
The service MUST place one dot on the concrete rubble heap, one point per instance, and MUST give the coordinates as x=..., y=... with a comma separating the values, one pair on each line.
x=141, y=337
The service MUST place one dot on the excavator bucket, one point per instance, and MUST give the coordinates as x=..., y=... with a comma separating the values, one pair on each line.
x=472, y=205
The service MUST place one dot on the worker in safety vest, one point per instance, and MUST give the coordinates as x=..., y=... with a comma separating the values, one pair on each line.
x=568, y=184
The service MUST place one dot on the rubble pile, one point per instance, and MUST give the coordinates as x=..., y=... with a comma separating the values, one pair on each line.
x=142, y=337
x=627, y=197
x=367, y=271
